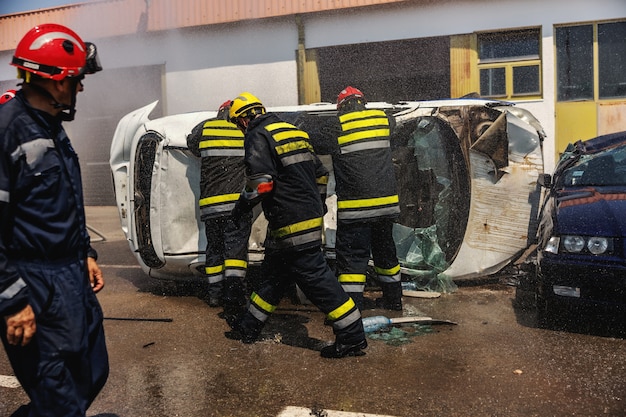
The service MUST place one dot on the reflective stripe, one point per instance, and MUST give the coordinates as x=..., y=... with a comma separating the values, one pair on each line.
x=217, y=269
x=366, y=134
x=258, y=314
x=367, y=202
x=353, y=287
x=279, y=125
x=363, y=114
x=389, y=279
x=290, y=242
x=34, y=150
x=293, y=146
x=214, y=279
x=366, y=214
x=5, y=196
x=297, y=158
x=363, y=146
x=241, y=273
x=222, y=152
x=261, y=303
x=377, y=121
x=351, y=278
x=389, y=272
x=323, y=180
x=221, y=143
x=292, y=133
x=217, y=199
x=297, y=227
x=217, y=209
x=12, y=290
x=348, y=320
x=235, y=263
x=341, y=310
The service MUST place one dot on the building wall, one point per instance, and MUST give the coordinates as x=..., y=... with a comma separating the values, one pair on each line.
x=203, y=65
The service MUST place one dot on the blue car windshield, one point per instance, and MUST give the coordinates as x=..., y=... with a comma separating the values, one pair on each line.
x=607, y=168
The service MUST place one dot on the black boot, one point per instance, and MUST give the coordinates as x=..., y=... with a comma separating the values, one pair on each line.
x=214, y=294
x=246, y=328
x=234, y=298
x=340, y=350
x=392, y=296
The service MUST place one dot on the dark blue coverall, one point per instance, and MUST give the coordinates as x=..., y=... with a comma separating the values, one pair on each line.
x=44, y=245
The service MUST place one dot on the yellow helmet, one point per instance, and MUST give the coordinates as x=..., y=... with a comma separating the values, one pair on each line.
x=244, y=105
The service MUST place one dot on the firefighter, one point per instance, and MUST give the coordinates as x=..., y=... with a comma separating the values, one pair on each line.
x=287, y=178
x=222, y=177
x=51, y=325
x=367, y=201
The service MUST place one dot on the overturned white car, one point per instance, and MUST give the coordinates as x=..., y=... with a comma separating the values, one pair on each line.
x=466, y=170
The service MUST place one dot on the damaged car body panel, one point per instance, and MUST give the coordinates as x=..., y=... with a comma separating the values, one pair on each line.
x=466, y=171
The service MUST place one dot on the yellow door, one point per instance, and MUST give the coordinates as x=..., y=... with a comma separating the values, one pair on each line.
x=575, y=120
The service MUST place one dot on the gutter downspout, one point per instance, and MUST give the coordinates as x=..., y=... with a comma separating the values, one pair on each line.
x=300, y=59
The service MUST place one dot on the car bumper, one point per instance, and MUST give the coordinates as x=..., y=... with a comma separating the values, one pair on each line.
x=593, y=284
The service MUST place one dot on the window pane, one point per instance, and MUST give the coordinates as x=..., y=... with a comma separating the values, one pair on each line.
x=612, y=59
x=492, y=82
x=526, y=80
x=508, y=45
x=574, y=63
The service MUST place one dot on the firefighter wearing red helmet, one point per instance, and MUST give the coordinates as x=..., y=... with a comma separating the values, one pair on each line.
x=367, y=200
x=287, y=178
x=51, y=324
x=219, y=144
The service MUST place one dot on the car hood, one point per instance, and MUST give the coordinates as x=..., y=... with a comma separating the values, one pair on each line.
x=592, y=211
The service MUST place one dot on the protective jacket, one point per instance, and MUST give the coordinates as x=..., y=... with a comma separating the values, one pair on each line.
x=222, y=177
x=42, y=217
x=366, y=184
x=294, y=208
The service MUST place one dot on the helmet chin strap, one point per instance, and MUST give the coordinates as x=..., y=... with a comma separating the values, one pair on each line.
x=68, y=112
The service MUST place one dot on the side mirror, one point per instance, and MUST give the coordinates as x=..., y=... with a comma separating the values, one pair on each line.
x=545, y=180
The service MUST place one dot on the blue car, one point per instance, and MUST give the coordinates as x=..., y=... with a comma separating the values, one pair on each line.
x=581, y=253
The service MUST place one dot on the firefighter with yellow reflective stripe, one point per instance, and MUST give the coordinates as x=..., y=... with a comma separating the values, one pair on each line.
x=222, y=177
x=367, y=200
x=287, y=178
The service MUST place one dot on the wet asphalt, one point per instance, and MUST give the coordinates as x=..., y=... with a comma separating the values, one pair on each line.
x=169, y=355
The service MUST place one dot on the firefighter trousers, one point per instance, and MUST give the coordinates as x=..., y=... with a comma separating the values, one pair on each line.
x=227, y=255
x=310, y=271
x=356, y=242
x=66, y=364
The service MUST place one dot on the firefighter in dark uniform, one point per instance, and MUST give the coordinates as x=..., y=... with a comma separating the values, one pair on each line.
x=222, y=177
x=367, y=201
x=285, y=175
x=51, y=321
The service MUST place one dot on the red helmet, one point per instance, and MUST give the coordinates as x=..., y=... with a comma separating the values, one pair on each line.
x=348, y=93
x=6, y=96
x=56, y=52
x=225, y=105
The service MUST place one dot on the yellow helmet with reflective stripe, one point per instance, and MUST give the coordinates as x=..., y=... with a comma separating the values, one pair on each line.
x=245, y=105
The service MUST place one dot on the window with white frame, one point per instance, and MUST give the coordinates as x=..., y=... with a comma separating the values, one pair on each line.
x=509, y=64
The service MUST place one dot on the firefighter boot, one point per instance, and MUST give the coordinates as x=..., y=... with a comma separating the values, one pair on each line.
x=349, y=342
x=214, y=294
x=234, y=299
x=246, y=328
x=392, y=296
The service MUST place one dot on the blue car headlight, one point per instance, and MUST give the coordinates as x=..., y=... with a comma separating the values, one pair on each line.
x=595, y=245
